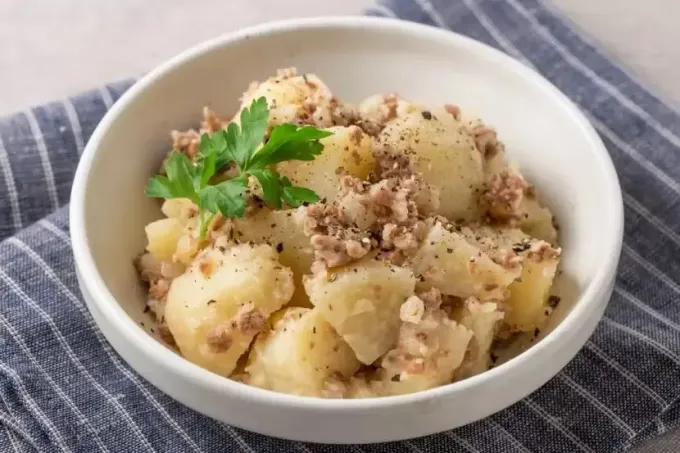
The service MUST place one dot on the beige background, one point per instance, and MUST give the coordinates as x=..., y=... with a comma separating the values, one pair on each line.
x=52, y=48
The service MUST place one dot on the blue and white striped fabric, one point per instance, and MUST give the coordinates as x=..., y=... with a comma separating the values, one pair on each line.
x=63, y=389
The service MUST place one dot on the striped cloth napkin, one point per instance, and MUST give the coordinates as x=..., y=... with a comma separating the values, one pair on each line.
x=63, y=389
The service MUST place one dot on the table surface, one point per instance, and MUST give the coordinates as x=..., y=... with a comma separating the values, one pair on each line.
x=49, y=50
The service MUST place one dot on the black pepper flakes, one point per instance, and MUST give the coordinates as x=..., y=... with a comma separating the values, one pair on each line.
x=536, y=332
x=211, y=301
x=553, y=301
x=146, y=309
x=427, y=115
x=396, y=378
x=449, y=250
x=521, y=247
x=279, y=247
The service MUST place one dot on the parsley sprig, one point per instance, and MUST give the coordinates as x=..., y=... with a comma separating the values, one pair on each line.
x=240, y=145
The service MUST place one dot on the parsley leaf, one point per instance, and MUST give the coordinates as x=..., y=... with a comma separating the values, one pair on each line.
x=241, y=144
x=225, y=197
x=179, y=182
x=277, y=188
x=238, y=143
x=296, y=196
x=160, y=187
x=271, y=185
x=289, y=142
x=207, y=163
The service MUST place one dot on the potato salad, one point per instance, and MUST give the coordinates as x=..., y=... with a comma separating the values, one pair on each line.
x=320, y=248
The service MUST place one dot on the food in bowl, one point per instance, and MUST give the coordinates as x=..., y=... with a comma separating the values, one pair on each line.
x=318, y=248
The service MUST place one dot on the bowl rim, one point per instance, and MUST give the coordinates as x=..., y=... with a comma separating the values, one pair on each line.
x=125, y=325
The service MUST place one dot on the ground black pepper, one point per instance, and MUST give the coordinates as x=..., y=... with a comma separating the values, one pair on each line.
x=553, y=301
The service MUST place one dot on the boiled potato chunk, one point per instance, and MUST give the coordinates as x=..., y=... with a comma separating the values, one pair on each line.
x=445, y=343
x=537, y=220
x=526, y=306
x=357, y=211
x=483, y=319
x=495, y=242
x=284, y=231
x=381, y=108
x=448, y=262
x=346, y=152
x=487, y=142
x=512, y=198
x=162, y=236
x=300, y=355
x=361, y=301
x=445, y=154
x=179, y=208
x=286, y=93
x=215, y=308
x=360, y=387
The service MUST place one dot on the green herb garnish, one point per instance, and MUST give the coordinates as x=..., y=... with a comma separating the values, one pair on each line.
x=239, y=144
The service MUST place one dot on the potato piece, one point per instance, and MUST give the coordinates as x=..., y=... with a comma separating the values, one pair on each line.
x=162, y=236
x=537, y=220
x=445, y=154
x=510, y=197
x=361, y=387
x=526, y=306
x=282, y=230
x=427, y=355
x=179, y=208
x=357, y=212
x=347, y=151
x=215, y=308
x=300, y=355
x=486, y=140
x=381, y=108
x=483, y=319
x=361, y=301
x=498, y=243
x=286, y=95
x=449, y=263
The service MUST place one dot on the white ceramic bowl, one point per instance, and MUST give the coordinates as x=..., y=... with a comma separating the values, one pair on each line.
x=555, y=145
